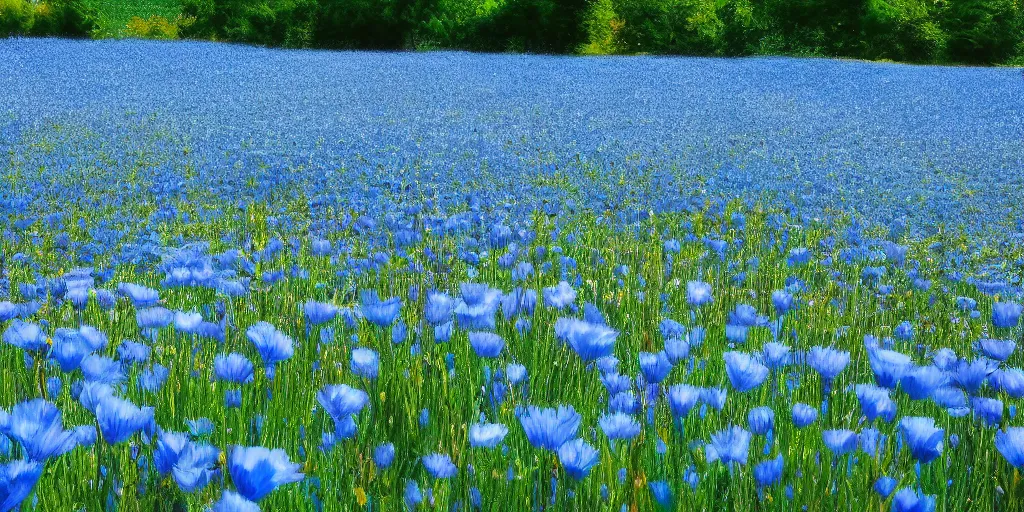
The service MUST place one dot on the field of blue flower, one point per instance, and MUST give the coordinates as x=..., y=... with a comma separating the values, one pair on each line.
x=238, y=279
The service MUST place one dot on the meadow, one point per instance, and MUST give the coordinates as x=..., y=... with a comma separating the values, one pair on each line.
x=240, y=279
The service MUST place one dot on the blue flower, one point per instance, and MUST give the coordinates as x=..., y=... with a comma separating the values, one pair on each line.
x=619, y=426
x=439, y=307
x=365, y=363
x=624, y=402
x=904, y=331
x=949, y=397
x=90, y=394
x=319, y=312
x=17, y=479
x=578, y=458
x=233, y=398
x=884, y=486
x=95, y=339
x=590, y=341
x=655, y=367
x=120, y=419
x=870, y=439
x=776, y=355
x=1010, y=443
x=840, y=442
x=944, y=359
x=907, y=500
x=272, y=345
x=140, y=296
x=383, y=455
x=922, y=381
x=729, y=445
x=233, y=502
x=69, y=349
x=26, y=336
x=443, y=332
x=682, y=398
x=662, y=493
x=342, y=401
x=102, y=369
x=412, y=495
x=439, y=465
x=399, y=332
x=1006, y=314
x=971, y=375
x=768, y=472
x=130, y=352
x=676, y=349
x=875, y=402
x=187, y=322
x=990, y=410
x=714, y=397
x=519, y=302
x=1009, y=381
x=798, y=256
x=761, y=420
x=487, y=435
x=200, y=427
x=168, y=449
x=154, y=318
x=233, y=368
x=550, y=428
x=698, y=293
x=889, y=367
x=828, y=362
x=923, y=439
x=559, y=296
x=783, y=301
x=257, y=471
x=486, y=344
x=478, y=307
x=671, y=329
x=745, y=373
x=378, y=312
x=516, y=373
x=152, y=379
x=1000, y=350
x=744, y=315
x=736, y=333
x=38, y=427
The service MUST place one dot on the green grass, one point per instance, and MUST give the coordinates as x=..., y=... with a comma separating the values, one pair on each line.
x=113, y=15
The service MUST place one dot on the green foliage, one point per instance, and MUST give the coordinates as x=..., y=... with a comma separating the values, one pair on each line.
x=16, y=17
x=602, y=25
x=69, y=18
x=389, y=24
x=902, y=30
x=113, y=17
x=983, y=31
x=955, y=31
x=154, y=27
x=544, y=26
x=670, y=26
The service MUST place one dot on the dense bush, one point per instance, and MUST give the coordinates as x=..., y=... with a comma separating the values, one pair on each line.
x=958, y=31
x=45, y=18
x=154, y=27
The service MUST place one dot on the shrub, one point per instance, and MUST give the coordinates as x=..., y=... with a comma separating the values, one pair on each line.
x=982, y=31
x=901, y=30
x=16, y=17
x=602, y=25
x=155, y=27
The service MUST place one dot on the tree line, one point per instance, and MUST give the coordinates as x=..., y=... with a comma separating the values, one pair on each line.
x=926, y=31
